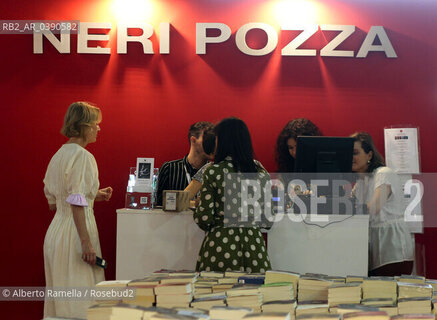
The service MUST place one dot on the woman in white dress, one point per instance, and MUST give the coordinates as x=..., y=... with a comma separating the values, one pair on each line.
x=71, y=186
x=391, y=246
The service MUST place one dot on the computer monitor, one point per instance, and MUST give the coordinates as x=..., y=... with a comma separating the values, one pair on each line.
x=324, y=154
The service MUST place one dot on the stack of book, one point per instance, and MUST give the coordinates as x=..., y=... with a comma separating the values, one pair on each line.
x=366, y=315
x=245, y=296
x=229, y=313
x=127, y=311
x=204, y=285
x=174, y=295
x=312, y=307
x=380, y=287
x=351, y=308
x=414, y=305
x=354, y=279
x=277, y=291
x=411, y=279
x=433, y=283
x=341, y=293
x=317, y=316
x=224, y=284
x=269, y=316
x=207, y=301
x=211, y=274
x=273, y=276
x=414, y=290
x=414, y=317
x=144, y=292
x=106, y=285
x=313, y=288
x=99, y=311
x=280, y=306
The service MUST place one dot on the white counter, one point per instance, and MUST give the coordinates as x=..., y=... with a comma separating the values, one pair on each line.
x=149, y=240
x=338, y=249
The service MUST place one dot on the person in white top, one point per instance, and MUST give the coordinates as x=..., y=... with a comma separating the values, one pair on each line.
x=391, y=246
x=71, y=186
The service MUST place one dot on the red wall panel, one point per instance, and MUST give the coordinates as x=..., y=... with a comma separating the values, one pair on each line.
x=148, y=101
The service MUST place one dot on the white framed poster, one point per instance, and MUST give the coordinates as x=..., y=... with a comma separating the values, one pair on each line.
x=402, y=150
x=144, y=173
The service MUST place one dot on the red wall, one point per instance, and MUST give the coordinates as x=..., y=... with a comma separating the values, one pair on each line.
x=148, y=101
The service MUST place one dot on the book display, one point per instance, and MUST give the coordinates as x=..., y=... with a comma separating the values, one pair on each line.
x=169, y=294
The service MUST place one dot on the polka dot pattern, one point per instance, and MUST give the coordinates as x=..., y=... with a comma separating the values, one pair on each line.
x=225, y=247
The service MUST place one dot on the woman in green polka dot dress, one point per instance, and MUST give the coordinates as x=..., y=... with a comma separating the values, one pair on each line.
x=229, y=243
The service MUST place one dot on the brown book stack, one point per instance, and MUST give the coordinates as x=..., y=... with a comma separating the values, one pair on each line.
x=390, y=310
x=312, y=288
x=411, y=279
x=414, y=305
x=341, y=293
x=354, y=279
x=268, y=316
x=234, y=274
x=316, y=316
x=280, y=306
x=375, y=302
x=312, y=307
x=207, y=301
x=107, y=285
x=144, y=295
x=224, y=284
x=204, y=285
x=335, y=279
x=351, y=308
x=244, y=296
x=229, y=313
x=273, y=276
x=414, y=317
x=211, y=274
x=99, y=311
x=433, y=283
x=414, y=290
x=127, y=311
x=277, y=291
x=380, y=287
x=174, y=295
x=366, y=315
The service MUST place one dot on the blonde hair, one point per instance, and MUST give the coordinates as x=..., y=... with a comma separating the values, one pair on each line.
x=79, y=116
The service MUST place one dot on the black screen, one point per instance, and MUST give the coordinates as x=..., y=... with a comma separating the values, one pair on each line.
x=324, y=154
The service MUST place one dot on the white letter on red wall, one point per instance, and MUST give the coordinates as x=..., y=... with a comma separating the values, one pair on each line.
x=272, y=39
x=385, y=46
x=202, y=39
x=329, y=49
x=291, y=48
x=164, y=38
x=83, y=37
x=123, y=38
x=62, y=45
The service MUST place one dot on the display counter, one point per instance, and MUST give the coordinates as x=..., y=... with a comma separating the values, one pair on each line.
x=337, y=247
x=149, y=240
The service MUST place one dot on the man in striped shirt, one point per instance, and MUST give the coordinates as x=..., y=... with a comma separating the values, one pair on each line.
x=177, y=174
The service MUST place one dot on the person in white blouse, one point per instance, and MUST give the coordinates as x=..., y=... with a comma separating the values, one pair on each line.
x=391, y=246
x=71, y=186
